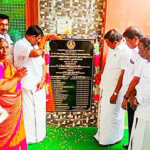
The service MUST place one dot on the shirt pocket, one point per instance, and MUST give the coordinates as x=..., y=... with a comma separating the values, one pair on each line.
x=115, y=61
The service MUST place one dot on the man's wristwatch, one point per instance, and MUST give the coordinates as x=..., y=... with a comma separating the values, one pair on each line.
x=115, y=93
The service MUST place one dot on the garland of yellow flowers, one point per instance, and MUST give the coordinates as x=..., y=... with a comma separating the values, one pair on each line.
x=50, y=104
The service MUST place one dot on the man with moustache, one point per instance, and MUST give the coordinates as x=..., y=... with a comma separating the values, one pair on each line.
x=4, y=26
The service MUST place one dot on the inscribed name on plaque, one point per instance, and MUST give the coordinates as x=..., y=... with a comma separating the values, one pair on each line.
x=71, y=70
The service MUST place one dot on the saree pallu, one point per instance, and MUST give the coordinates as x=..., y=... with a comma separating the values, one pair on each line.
x=12, y=132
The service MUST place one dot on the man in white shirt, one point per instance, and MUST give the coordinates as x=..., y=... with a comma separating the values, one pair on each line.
x=132, y=36
x=4, y=26
x=111, y=117
x=141, y=82
x=27, y=54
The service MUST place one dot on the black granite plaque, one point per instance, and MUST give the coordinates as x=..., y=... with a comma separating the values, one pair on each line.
x=71, y=70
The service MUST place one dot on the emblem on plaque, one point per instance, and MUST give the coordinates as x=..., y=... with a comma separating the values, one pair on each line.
x=71, y=44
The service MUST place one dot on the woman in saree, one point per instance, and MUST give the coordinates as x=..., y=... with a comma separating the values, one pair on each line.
x=12, y=132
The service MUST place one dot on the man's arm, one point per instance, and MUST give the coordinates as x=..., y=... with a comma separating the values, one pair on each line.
x=36, y=52
x=117, y=89
x=42, y=82
x=131, y=87
x=21, y=54
x=124, y=59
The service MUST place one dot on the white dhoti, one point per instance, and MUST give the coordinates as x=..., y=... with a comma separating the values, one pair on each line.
x=34, y=111
x=111, y=126
x=141, y=129
x=111, y=118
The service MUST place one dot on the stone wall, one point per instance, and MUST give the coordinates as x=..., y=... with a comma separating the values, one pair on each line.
x=87, y=19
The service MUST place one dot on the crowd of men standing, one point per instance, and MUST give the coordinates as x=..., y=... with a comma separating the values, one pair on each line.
x=125, y=86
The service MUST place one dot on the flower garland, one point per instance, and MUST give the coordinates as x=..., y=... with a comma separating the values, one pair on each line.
x=50, y=104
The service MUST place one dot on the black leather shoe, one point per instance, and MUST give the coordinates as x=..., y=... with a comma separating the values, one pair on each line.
x=125, y=146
